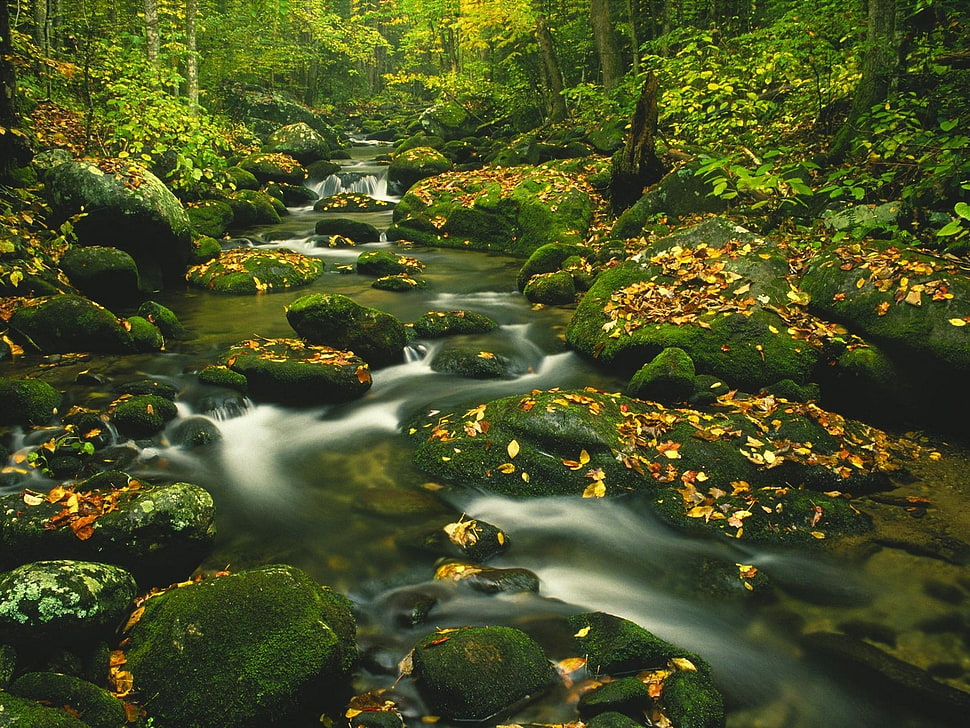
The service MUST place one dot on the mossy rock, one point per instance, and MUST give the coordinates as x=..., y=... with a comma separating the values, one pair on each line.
x=474, y=673
x=146, y=335
x=106, y=275
x=204, y=249
x=691, y=700
x=157, y=533
x=488, y=579
x=508, y=210
x=290, y=371
x=448, y=120
x=157, y=387
x=418, y=140
x=292, y=195
x=551, y=288
x=95, y=705
x=300, y=141
x=273, y=645
x=275, y=167
x=399, y=283
x=195, y=431
x=254, y=207
x=242, y=179
x=626, y=695
x=223, y=376
x=411, y=165
x=164, y=318
x=24, y=712
x=321, y=169
x=612, y=719
x=470, y=538
x=27, y=401
x=141, y=415
x=356, y=230
x=472, y=364
x=253, y=270
x=351, y=202
x=587, y=442
x=548, y=259
x=71, y=602
x=66, y=323
x=678, y=194
x=436, y=324
x=386, y=263
x=332, y=319
x=210, y=217
x=668, y=377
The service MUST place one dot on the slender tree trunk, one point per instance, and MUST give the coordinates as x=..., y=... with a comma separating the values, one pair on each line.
x=192, y=56
x=636, y=166
x=552, y=72
x=13, y=149
x=631, y=12
x=606, y=46
x=152, y=40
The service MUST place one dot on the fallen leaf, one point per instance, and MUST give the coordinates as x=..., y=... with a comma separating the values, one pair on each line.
x=512, y=449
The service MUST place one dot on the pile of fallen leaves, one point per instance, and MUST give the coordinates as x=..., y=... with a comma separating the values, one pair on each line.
x=285, y=350
x=80, y=510
x=244, y=260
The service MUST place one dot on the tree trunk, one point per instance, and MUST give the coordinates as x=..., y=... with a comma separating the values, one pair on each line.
x=636, y=166
x=879, y=66
x=606, y=46
x=152, y=41
x=192, y=57
x=631, y=12
x=553, y=74
x=13, y=149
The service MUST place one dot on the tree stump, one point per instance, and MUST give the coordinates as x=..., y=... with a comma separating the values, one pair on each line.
x=636, y=166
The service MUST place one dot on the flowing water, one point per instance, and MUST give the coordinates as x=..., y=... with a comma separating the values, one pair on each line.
x=331, y=489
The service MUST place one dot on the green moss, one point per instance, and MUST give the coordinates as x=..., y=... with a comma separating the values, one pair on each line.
x=474, y=673
x=210, y=217
x=21, y=711
x=142, y=415
x=399, y=283
x=164, y=318
x=146, y=335
x=275, y=167
x=94, y=705
x=204, y=249
x=551, y=288
x=690, y=700
x=254, y=207
x=668, y=377
x=223, y=376
x=27, y=401
x=386, y=263
x=473, y=364
x=626, y=695
x=242, y=179
x=435, y=324
x=70, y=324
x=252, y=270
x=356, y=230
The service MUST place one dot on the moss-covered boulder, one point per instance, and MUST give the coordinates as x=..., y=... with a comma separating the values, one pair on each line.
x=242, y=179
x=254, y=207
x=356, y=230
x=411, y=165
x=257, y=648
x=351, y=202
x=19, y=711
x=548, y=259
x=204, y=249
x=164, y=318
x=436, y=324
x=300, y=141
x=448, y=120
x=220, y=375
x=210, y=217
x=27, y=401
x=399, y=283
x=106, y=275
x=679, y=194
x=140, y=415
x=94, y=705
x=158, y=533
x=728, y=303
x=146, y=335
x=254, y=270
x=274, y=167
x=551, y=288
x=386, y=263
x=668, y=377
x=716, y=471
x=332, y=319
x=291, y=371
x=127, y=207
x=626, y=695
x=488, y=579
x=509, y=210
x=71, y=602
x=472, y=363
x=474, y=673
x=66, y=323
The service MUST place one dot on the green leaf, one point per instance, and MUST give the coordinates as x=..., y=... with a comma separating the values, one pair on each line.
x=962, y=209
x=951, y=228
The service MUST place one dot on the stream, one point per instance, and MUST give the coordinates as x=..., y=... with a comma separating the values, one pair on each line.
x=331, y=490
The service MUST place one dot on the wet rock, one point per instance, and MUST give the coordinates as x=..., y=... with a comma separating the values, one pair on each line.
x=204, y=249
x=149, y=386
x=21, y=711
x=399, y=283
x=196, y=431
x=356, y=230
x=164, y=318
x=299, y=141
x=141, y=415
x=472, y=364
x=98, y=707
x=337, y=320
x=551, y=288
x=488, y=579
x=126, y=207
x=626, y=695
x=691, y=700
x=411, y=165
x=254, y=207
x=290, y=371
x=351, y=202
x=474, y=673
x=8, y=664
x=473, y=539
x=275, y=167
x=63, y=602
x=386, y=262
x=610, y=719
x=27, y=401
x=210, y=217
x=321, y=169
x=509, y=210
x=249, y=270
x=223, y=376
x=264, y=641
x=436, y=324
x=667, y=378
x=146, y=335
x=292, y=195
x=157, y=533
x=106, y=275
x=67, y=323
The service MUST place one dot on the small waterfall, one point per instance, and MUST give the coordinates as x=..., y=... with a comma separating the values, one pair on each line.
x=372, y=182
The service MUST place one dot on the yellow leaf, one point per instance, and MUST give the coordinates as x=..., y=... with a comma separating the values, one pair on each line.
x=860, y=283
x=958, y=322
x=33, y=499
x=506, y=468
x=584, y=457
x=596, y=489
x=682, y=663
x=512, y=449
x=817, y=534
x=583, y=632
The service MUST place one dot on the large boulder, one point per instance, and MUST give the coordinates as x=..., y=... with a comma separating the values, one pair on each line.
x=66, y=323
x=274, y=167
x=62, y=601
x=125, y=206
x=509, y=210
x=210, y=217
x=411, y=165
x=300, y=141
x=290, y=371
x=157, y=533
x=473, y=673
x=257, y=648
x=679, y=194
x=253, y=270
x=717, y=471
x=448, y=120
x=27, y=401
x=332, y=319
x=106, y=275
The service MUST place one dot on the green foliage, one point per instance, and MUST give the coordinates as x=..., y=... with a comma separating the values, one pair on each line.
x=773, y=182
